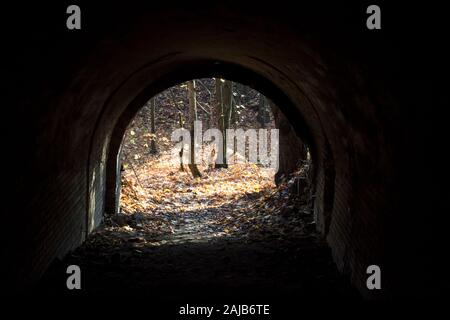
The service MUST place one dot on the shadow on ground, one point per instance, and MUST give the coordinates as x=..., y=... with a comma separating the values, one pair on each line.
x=212, y=270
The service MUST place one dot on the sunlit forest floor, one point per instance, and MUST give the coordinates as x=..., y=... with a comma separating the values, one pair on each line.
x=241, y=201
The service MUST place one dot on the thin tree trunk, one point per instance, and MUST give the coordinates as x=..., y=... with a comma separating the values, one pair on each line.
x=153, y=149
x=192, y=117
x=218, y=104
x=232, y=110
x=221, y=121
x=263, y=113
x=182, y=146
x=227, y=98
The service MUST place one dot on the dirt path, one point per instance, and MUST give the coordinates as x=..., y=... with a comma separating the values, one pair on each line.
x=242, y=247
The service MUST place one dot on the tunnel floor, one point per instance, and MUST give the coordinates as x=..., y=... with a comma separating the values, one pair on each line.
x=262, y=244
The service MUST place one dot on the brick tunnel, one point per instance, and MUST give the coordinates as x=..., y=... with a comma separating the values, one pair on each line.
x=346, y=90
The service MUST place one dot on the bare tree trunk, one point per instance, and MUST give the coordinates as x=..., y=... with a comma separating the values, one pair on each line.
x=181, y=150
x=208, y=108
x=153, y=149
x=227, y=98
x=224, y=108
x=218, y=103
x=220, y=118
x=263, y=113
x=232, y=109
x=192, y=117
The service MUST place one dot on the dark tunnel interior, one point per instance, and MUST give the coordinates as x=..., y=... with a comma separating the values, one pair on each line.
x=366, y=102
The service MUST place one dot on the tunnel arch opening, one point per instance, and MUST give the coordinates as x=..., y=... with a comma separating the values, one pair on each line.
x=218, y=203
x=202, y=69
